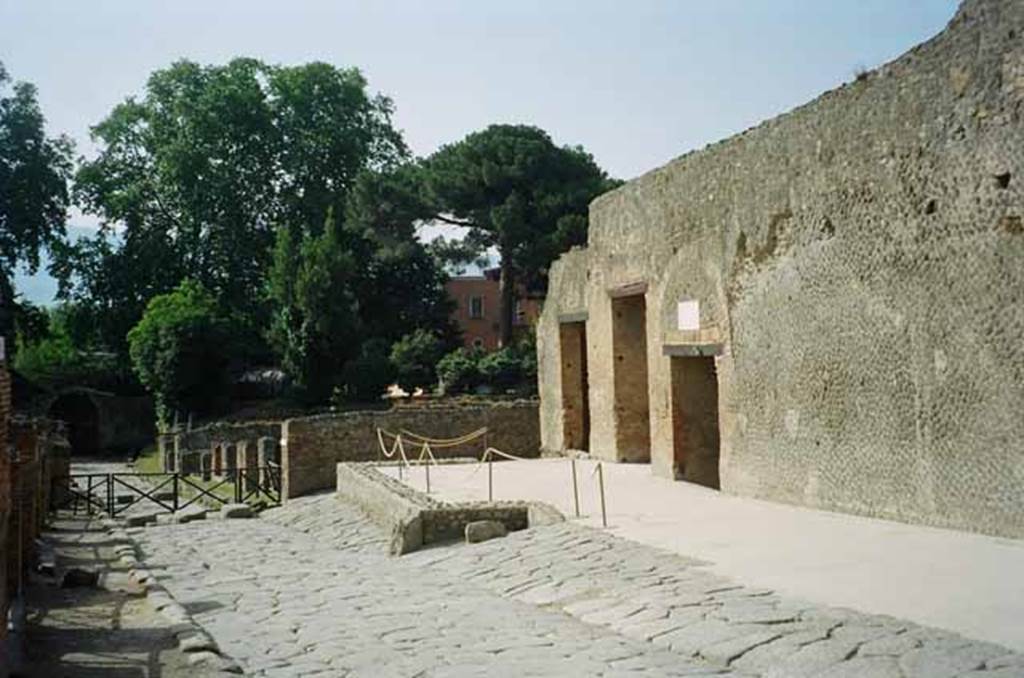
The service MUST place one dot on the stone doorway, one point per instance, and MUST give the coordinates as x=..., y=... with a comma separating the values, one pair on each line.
x=695, y=437
x=632, y=408
x=575, y=391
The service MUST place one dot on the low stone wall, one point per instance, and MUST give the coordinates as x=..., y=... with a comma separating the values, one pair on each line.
x=414, y=519
x=184, y=450
x=311, y=447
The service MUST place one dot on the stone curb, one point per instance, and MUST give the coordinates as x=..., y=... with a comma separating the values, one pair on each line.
x=199, y=647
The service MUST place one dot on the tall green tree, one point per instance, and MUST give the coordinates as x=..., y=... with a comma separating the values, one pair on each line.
x=34, y=174
x=181, y=351
x=315, y=327
x=195, y=175
x=336, y=289
x=518, y=192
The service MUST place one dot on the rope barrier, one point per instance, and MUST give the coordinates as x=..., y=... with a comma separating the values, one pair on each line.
x=445, y=442
x=426, y=458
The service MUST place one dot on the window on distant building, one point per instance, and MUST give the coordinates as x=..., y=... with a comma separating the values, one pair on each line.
x=476, y=307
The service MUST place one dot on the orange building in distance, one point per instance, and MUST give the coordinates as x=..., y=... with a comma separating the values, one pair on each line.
x=477, y=306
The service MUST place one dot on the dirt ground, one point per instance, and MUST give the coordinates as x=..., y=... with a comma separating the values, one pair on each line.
x=109, y=630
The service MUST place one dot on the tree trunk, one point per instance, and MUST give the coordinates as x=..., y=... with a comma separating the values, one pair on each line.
x=507, y=290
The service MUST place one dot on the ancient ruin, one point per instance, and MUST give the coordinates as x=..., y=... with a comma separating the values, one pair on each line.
x=824, y=310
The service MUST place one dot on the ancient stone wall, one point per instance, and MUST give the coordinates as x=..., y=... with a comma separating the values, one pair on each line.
x=311, y=447
x=5, y=506
x=857, y=269
x=182, y=450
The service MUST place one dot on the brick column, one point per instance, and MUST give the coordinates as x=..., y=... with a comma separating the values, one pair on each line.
x=5, y=507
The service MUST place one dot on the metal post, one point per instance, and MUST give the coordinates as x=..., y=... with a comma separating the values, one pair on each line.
x=575, y=487
x=600, y=482
x=490, y=478
x=428, y=476
x=110, y=494
x=175, y=484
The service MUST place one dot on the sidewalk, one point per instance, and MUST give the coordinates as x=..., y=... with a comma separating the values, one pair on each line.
x=959, y=581
x=108, y=630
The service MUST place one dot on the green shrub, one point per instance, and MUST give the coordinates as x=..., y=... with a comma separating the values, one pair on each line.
x=180, y=351
x=367, y=376
x=459, y=371
x=502, y=369
x=415, y=358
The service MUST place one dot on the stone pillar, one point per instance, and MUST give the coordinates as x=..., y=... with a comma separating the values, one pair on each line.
x=230, y=455
x=217, y=459
x=268, y=454
x=206, y=464
x=247, y=462
x=179, y=453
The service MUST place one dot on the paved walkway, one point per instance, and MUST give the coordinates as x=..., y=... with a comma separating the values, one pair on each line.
x=964, y=582
x=307, y=590
x=282, y=602
x=110, y=630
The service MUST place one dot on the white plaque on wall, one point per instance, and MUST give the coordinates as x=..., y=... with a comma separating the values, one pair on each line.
x=689, y=315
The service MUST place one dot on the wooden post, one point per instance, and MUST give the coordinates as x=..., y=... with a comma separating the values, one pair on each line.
x=575, y=487
x=600, y=482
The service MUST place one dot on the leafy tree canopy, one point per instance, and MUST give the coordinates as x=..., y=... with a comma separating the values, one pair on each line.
x=516, y=191
x=34, y=173
x=197, y=173
x=347, y=285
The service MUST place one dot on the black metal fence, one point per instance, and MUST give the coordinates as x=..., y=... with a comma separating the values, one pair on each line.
x=116, y=493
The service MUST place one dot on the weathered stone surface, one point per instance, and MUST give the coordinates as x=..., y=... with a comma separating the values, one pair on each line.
x=482, y=530
x=236, y=511
x=312, y=447
x=889, y=208
x=141, y=519
x=326, y=599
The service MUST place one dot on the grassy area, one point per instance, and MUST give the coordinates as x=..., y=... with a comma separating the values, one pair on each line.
x=149, y=461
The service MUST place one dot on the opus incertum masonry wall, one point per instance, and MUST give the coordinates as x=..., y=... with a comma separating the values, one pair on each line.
x=850, y=277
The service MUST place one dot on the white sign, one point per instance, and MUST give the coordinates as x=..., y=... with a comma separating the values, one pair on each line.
x=689, y=315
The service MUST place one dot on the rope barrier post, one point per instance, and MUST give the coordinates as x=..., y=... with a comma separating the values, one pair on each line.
x=427, y=467
x=600, y=482
x=575, y=487
x=490, y=478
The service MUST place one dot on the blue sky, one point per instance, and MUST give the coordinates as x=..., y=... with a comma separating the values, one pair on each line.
x=637, y=82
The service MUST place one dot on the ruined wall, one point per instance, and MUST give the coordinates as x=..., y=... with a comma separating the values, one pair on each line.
x=858, y=264
x=5, y=506
x=413, y=519
x=181, y=450
x=311, y=447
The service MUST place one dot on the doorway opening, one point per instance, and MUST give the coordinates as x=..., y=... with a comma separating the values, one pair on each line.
x=575, y=392
x=632, y=408
x=695, y=437
x=79, y=413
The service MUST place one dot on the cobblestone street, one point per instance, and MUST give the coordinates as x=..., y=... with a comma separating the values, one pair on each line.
x=308, y=590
